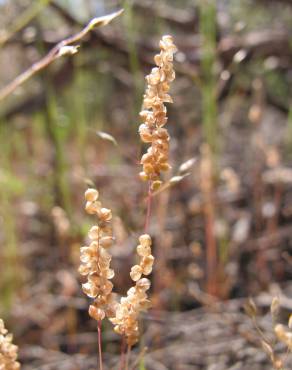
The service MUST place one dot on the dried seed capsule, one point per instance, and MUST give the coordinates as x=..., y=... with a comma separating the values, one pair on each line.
x=110, y=274
x=91, y=195
x=145, y=133
x=148, y=168
x=92, y=207
x=136, y=272
x=106, y=241
x=145, y=240
x=94, y=233
x=90, y=290
x=143, y=284
x=143, y=250
x=105, y=214
x=147, y=264
x=96, y=313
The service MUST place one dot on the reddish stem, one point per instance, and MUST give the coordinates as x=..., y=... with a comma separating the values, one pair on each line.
x=99, y=345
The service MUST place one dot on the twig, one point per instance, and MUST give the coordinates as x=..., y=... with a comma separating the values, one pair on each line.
x=128, y=357
x=64, y=47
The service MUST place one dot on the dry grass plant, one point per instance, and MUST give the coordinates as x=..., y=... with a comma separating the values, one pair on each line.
x=95, y=258
x=281, y=333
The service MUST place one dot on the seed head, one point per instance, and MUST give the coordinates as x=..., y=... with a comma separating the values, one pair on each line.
x=154, y=112
x=95, y=259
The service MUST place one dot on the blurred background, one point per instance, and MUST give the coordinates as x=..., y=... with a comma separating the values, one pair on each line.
x=222, y=228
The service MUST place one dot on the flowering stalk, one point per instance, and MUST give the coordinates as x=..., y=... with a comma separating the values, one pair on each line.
x=95, y=263
x=127, y=311
x=95, y=258
x=154, y=117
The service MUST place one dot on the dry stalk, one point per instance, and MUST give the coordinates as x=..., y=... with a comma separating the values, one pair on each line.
x=64, y=47
x=206, y=184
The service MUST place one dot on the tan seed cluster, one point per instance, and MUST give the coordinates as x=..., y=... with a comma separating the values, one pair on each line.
x=127, y=311
x=95, y=259
x=8, y=351
x=154, y=113
x=146, y=258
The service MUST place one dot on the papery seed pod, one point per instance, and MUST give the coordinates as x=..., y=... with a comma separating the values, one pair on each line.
x=143, y=250
x=91, y=195
x=143, y=284
x=105, y=214
x=145, y=240
x=94, y=233
x=90, y=208
x=90, y=290
x=96, y=313
x=136, y=272
x=106, y=241
x=147, y=264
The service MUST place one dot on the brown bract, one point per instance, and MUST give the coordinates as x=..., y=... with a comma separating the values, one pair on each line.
x=154, y=111
x=8, y=351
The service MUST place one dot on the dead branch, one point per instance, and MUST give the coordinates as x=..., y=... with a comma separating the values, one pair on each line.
x=64, y=47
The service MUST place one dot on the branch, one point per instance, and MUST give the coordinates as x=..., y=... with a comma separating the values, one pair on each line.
x=64, y=47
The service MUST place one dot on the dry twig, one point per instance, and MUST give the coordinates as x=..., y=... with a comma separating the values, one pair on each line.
x=64, y=47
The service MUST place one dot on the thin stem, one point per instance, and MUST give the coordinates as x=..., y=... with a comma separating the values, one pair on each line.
x=122, y=358
x=148, y=213
x=128, y=357
x=99, y=345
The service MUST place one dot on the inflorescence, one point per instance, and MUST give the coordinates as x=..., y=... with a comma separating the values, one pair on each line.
x=154, y=111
